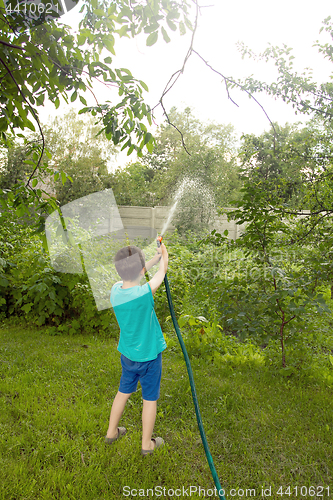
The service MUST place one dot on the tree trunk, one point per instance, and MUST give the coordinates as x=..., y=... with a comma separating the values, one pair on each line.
x=282, y=344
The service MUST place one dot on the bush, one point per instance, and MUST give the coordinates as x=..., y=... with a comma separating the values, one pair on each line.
x=30, y=288
x=206, y=339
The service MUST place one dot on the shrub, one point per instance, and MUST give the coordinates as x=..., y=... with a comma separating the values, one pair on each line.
x=206, y=339
x=30, y=288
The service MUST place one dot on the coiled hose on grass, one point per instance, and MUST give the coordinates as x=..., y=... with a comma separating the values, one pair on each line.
x=194, y=393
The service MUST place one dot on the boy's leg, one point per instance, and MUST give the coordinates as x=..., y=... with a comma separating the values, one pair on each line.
x=150, y=383
x=148, y=422
x=117, y=409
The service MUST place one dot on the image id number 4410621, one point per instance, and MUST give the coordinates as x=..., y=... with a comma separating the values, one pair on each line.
x=27, y=8
x=304, y=491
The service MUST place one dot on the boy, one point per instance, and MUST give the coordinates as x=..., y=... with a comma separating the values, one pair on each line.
x=141, y=340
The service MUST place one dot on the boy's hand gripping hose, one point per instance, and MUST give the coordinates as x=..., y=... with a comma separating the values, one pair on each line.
x=194, y=393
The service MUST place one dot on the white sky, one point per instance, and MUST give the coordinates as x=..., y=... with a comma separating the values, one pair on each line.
x=256, y=23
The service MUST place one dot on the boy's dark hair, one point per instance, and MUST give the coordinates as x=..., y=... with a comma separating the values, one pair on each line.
x=129, y=261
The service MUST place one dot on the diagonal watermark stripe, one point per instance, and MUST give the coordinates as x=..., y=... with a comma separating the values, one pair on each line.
x=86, y=237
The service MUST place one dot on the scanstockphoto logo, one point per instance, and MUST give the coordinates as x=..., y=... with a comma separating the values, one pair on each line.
x=31, y=13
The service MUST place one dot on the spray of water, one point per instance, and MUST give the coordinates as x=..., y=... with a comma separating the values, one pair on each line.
x=187, y=185
x=179, y=193
x=172, y=211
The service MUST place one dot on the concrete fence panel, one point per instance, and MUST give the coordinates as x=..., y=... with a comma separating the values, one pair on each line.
x=155, y=217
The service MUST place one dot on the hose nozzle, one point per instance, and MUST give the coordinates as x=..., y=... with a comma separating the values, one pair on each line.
x=159, y=241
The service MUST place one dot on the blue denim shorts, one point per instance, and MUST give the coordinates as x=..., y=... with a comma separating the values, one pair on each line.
x=147, y=372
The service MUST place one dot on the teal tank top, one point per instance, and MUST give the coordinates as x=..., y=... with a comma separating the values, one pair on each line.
x=141, y=337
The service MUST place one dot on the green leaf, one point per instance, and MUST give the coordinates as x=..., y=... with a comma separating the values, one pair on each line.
x=152, y=39
x=85, y=110
x=112, y=9
x=150, y=147
x=165, y=35
x=171, y=25
x=40, y=100
x=4, y=282
x=34, y=183
x=183, y=320
x=30, y=125
x=123, y=31
x=126, y=12
x=148, y=137
x=99, y=12
x=188, y=23
x=74, y=96
x=81, y=39
x=63, y=178
x=109, y=44
x=151, y=28
x=27, y=307
x=20, y=210
x=182, y=28
x=143, y=85
x=3, y=124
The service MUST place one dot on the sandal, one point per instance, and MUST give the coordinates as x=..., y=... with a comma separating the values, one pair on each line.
x=121, y=432
x=158, y=442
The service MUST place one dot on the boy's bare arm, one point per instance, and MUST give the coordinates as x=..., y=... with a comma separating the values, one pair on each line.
x=157, y=279
x=155, y=260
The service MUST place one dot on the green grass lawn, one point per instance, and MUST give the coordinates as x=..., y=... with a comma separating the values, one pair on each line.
x=55, y=398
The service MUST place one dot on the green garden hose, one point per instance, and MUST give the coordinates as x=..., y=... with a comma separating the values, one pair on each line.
x=194, y=394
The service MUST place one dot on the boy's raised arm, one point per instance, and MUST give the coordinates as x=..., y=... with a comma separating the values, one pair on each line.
x=155, y=260
x=157, y=279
